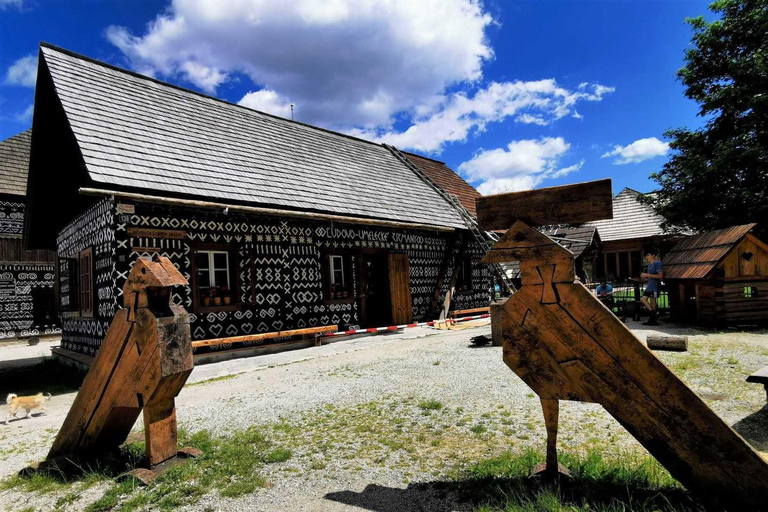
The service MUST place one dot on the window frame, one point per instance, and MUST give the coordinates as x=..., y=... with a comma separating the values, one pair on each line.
x=328, y=277
x=233, y=264
x=465, y=276
x=750, y=292
x=86, y=288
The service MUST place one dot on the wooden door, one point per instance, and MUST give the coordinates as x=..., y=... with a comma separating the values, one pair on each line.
x=400, y=288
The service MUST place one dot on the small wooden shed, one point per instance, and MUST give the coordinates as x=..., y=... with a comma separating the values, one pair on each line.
x=719, y=277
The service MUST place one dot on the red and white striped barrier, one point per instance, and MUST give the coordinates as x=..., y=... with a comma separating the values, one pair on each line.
x=404, y=326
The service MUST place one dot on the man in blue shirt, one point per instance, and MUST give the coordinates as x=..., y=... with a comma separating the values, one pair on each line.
x=654, y=275
x=605, y=293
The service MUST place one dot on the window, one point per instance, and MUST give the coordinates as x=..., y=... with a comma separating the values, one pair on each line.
x=86, y=282
x=213, y=278
x=464, y=277
x=338, y=277
x=750, y=292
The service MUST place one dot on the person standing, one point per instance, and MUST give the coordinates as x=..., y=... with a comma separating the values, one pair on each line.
x=651, y=294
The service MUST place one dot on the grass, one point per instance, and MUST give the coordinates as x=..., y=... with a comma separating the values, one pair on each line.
x=231, y=465
x=621, y=483
x=215, y=379
x=430, y=405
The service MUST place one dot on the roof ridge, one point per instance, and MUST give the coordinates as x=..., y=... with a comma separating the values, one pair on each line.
x=107, y=65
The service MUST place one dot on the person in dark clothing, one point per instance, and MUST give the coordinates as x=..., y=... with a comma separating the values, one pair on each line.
x=651, y=294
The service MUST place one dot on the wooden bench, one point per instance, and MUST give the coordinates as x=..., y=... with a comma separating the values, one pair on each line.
x=462, y=312
x=317, y=332
x=760, y=377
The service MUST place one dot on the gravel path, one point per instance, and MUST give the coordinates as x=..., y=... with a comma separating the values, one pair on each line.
x=390, y=375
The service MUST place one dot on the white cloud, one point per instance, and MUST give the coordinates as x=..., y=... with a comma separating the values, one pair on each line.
x=358, y=66
x=11, y=3
x=267, y=101
x=22, y=72
x=522, y=165
x=638, y=151
x=26, y=115
x=459, y=115
x=347, y=62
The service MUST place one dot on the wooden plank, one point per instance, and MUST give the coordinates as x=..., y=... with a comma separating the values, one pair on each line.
x=459, y=312
x=265, y=336
x=675, y=343
x=568, y=204
x=400, y=288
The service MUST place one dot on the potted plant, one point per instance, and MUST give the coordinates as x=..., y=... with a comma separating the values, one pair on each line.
x=207, y=298
x=226, y=296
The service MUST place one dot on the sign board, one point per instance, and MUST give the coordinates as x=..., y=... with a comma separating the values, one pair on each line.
x=7, y=287
x=157, y=233
x=145, y=249
x=126, y=208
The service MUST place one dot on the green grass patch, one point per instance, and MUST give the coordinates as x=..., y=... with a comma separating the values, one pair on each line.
x=620, y=483
x=430, y=405
x=214, y=379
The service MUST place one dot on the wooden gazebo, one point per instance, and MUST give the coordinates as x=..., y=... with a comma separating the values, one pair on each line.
x=719, y=277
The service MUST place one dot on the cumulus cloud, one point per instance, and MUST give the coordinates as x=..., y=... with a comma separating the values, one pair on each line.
x=347, y=62
x=22, y=72
x=638, y=151
x=458, y=115
x=26, y=115
x=11, y=3
x=267, y=101
x=378, y=70
x=522, y=165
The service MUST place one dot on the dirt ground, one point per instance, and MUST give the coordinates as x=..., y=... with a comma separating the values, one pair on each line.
x=310, y=401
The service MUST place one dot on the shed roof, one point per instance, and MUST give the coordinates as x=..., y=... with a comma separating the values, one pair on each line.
x=696, y=256
x=139, y=133
x=447, y=179
x=574, y=238
x=14, y=164
x=632, y=219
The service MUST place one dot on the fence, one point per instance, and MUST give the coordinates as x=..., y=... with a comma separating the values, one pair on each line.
x=624, y=291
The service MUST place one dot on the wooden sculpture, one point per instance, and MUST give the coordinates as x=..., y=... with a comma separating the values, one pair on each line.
x=566, y=345
x=143, y=363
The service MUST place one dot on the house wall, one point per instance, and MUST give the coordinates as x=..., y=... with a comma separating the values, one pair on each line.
x=279, y=266
x=26, y=278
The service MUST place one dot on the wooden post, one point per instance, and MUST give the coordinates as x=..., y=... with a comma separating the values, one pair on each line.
x=565, y=345
x=143, y=363
x=677, y=343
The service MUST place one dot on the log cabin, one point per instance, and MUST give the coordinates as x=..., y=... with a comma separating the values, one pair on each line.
x=276, y=224
x=27, y=302
x=719, y=278
x=635, y=225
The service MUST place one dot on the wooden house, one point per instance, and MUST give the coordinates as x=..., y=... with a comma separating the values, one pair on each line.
x=634, y=226
x=276, y=224
x=585, y=244
x=719, y=277
x=26, y=277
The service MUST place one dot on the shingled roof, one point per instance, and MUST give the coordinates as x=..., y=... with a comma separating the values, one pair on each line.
x=574, y=238
x=14, y=164
x=447, y=179
x=139, y=133
x=632, y=219
x=696, y=256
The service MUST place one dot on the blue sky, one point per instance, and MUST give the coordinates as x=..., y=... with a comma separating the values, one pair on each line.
x=511, y=94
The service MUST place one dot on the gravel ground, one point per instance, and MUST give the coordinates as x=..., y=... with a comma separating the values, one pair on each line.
x=353, y=414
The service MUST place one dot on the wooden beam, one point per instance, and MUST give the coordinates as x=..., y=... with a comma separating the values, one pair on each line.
x=265, y=336
x=260, y=211
x=454, y=275
x=568, y=204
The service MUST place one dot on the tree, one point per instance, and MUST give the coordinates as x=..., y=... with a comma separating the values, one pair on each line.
x=717, y=175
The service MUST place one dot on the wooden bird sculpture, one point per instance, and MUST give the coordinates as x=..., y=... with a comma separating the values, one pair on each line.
x=566, y=345
x=142, y=364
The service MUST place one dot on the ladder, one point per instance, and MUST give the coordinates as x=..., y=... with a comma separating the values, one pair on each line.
x=469, y=221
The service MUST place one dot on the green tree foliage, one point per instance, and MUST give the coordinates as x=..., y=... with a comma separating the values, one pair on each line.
x=717, y=176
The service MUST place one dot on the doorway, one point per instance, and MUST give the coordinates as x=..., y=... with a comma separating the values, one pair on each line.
x=374, y=288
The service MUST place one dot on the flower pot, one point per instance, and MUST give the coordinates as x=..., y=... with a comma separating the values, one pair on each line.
x=206, y=301
x=217, y=301
x=227, y=300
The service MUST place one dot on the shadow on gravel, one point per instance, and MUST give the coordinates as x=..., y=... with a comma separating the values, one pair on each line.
x=522, y=493
x=47, y=377
x=754, y=428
